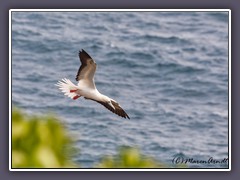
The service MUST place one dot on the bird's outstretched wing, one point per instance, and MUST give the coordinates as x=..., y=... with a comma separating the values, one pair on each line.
x=87, y=69
x=117, y=108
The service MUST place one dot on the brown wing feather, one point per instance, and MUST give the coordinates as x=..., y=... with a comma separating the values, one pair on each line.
x=88, y=66
x=118, y=110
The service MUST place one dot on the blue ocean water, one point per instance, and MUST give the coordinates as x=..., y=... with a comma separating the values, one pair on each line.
x=168, y=70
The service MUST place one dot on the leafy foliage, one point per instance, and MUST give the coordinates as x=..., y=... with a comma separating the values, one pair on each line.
x=43, y=142
x=40, y=142
x=128, y=157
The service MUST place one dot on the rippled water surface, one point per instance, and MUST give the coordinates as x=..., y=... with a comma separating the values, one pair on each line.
x=168, y=70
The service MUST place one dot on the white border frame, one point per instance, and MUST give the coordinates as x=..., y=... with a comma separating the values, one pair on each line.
x=118, y=10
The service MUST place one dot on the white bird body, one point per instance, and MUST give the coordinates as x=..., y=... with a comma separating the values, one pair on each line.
x=86, y=86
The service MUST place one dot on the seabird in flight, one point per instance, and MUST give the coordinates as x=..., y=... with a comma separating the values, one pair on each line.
x=86, y=86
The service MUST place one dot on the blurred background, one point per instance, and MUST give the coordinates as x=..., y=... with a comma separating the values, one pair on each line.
x=168, y=70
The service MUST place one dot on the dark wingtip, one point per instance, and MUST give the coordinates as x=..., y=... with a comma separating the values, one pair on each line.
x=84, y=53
x=81, y=50
x=126, y=116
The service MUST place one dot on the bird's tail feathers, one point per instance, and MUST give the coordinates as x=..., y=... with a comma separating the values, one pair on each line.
x=68, y=88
